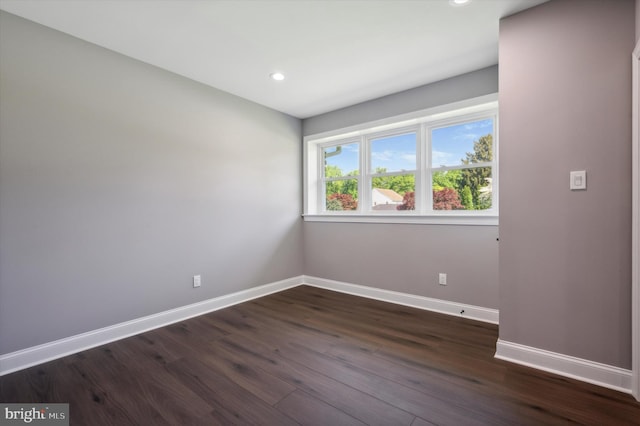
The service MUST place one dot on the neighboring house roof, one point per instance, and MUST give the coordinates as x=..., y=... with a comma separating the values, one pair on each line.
x=489, y=187
x=392, y=195
x=385, y=207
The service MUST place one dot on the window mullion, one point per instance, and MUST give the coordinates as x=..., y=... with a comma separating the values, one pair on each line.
x=427, y=193
x=321, y=195
x=363, y=183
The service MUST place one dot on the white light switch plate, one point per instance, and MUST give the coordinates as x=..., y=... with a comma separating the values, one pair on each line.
x=442, y=279
x=578, y=180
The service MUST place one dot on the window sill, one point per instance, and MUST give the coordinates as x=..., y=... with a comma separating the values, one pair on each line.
x=406, y=219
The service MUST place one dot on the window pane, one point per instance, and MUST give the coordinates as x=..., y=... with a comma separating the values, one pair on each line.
x=341, y=195
x=466, y=189
x=393, y=153
x=341, y=160
x=393, y=192
x=465, y=143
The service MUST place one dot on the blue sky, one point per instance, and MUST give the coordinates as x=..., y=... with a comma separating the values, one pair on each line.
x=451, y=144
x=395, y=153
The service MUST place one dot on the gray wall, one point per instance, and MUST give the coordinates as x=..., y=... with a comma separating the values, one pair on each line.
x=459, y=88
x=119, y=181
x=637, y=20
x=408, y=258
x=565, y=104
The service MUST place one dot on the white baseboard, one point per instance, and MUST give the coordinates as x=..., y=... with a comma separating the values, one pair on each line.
x=442, y=306
x=576, y=368
x=588, y=371
x=35, y=355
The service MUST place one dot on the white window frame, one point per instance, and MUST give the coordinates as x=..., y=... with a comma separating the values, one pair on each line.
x=422, y=122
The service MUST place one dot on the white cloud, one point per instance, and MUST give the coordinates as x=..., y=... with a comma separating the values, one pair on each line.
x=409, y=157
x=383, y=155
x=440, y=158
x=394, y=160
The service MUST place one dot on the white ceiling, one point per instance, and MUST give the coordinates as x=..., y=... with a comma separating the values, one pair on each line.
x=334, y=53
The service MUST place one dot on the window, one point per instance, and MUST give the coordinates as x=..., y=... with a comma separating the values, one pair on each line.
x=461, y=165
x=437, y=167
x=341, y=176
x=392, y=171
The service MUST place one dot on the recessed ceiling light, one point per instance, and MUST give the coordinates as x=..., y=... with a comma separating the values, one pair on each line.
x=458, y=2
x=277, y=76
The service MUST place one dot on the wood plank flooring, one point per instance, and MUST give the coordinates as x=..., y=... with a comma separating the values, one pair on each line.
x=313, y=357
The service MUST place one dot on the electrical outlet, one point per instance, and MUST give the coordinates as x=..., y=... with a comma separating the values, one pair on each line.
x=197, y=281
x=442, y=278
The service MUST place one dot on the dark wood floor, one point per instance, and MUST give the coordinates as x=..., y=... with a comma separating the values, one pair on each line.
x=314, y=357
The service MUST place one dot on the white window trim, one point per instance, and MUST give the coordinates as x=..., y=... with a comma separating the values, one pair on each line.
x=450, y=113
